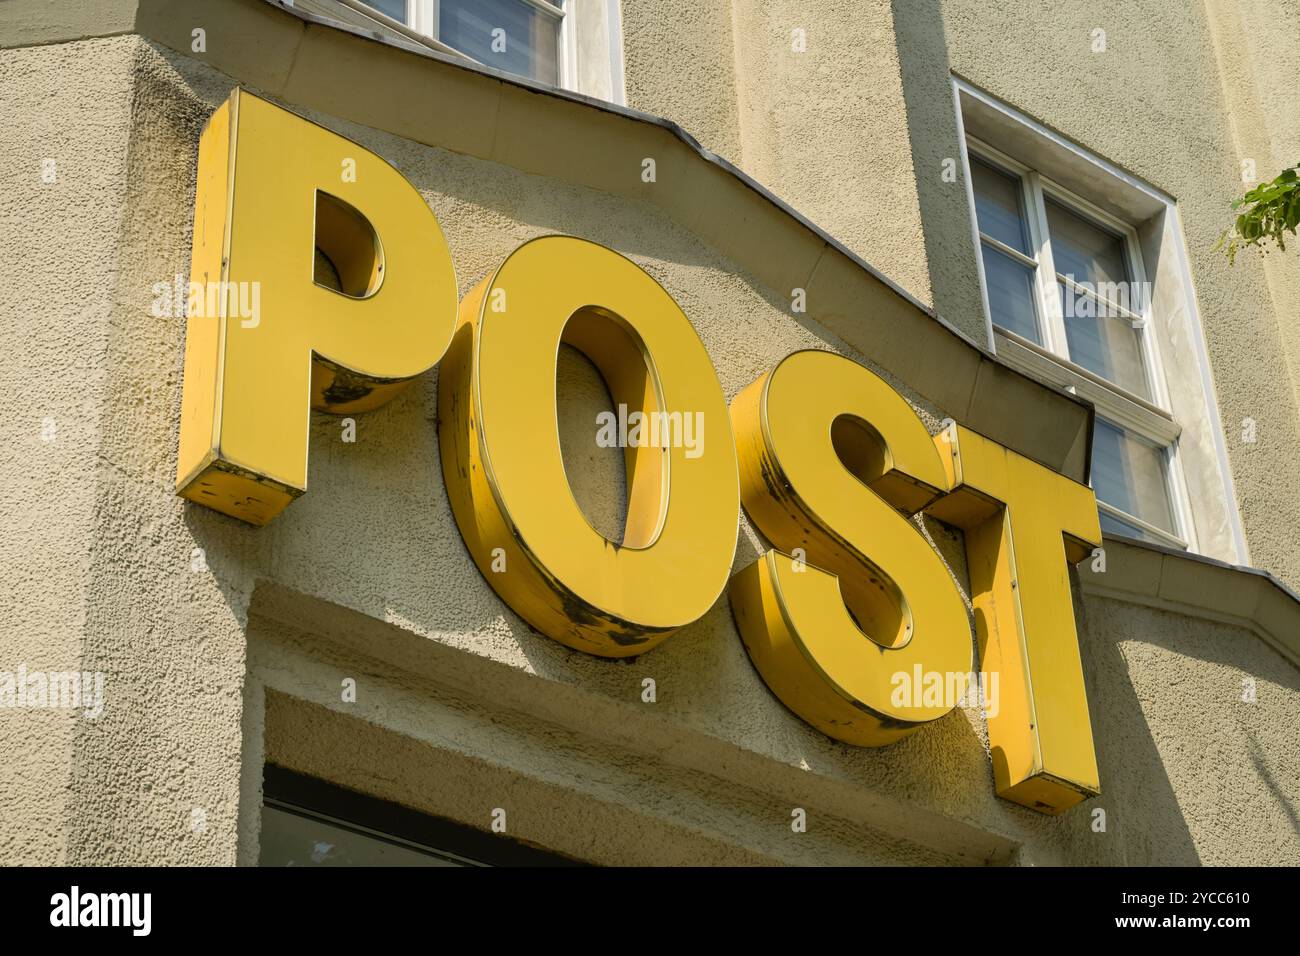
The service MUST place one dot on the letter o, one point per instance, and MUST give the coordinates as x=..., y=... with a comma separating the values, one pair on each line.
x=502, y=465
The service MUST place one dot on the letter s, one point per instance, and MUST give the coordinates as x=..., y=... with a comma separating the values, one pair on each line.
x=833, y=460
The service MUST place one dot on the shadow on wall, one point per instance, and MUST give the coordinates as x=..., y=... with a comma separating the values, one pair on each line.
x=1266, y=776
x=932, y=127
x=1144, y=820
x=1203, y=641
x=1221, y=750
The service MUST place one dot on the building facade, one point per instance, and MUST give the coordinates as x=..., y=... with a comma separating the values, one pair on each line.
x=1005, y=211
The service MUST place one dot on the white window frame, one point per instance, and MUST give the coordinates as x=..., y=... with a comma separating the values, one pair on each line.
x=423, y=18
x=1199, y=443
x=425, y=15
x=1146, y=420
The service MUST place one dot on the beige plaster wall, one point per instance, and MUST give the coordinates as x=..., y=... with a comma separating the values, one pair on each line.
x=59, y=245
x=1196, y=773
x=216, y=665
x=824, y=127
x=679, y=62
x=1257, y=50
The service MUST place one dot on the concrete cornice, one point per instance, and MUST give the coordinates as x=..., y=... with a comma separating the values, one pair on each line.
x=467, y=108
x=1171, y=580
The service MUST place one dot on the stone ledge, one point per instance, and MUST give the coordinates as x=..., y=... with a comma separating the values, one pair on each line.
x=1172, y=580
x=284, y=616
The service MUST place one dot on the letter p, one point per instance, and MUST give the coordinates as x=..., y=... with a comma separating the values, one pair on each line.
x=354, y=286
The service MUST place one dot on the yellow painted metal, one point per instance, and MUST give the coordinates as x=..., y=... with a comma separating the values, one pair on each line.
x=832, y=461
x=266, y=338
x=1024, y=525
x=502, y=464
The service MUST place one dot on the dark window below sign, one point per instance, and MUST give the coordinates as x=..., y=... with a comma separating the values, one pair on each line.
x=309, y=822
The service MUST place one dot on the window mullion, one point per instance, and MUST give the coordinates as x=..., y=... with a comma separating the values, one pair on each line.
x=1117, y=311
x=1007, y=251
x=1179, y=494
x=1146, y=329
x=1160, y=534
x=423, y=16
x=1045, y=275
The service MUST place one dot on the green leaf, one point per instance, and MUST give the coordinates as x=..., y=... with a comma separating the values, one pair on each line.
x=1266, y=212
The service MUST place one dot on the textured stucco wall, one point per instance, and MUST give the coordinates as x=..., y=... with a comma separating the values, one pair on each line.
x=823, y=126
x=822, y=122
x=1197, y=774
x=101, y=574
x=58, y=262
x=679, y=62
x=455, y=686
x=1257, y=50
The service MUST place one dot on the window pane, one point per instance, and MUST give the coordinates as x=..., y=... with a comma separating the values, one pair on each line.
x=527, y=44
x=998, y=207
x=1129, y=474
x=289, y=839
x=311, y=822
x=394, y=8
x=1087, y=253
x=1103, y=342
x=1118, y=526
x=1011, y=293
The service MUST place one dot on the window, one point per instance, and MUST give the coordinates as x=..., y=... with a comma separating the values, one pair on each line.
x=518, y=36
x=572, y=44
x=1009, y=266
x=309, y=822
x=1131, y=479
x=1086, y=286
x=1067, y=295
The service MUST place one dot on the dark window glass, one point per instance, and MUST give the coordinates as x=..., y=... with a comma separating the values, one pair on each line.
x=998, y=207
x=394, y=8
x=309, y=822
x=1129, y=474
x=511, y=35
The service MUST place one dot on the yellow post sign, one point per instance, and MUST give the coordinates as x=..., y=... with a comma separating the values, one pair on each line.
x=320, y=278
